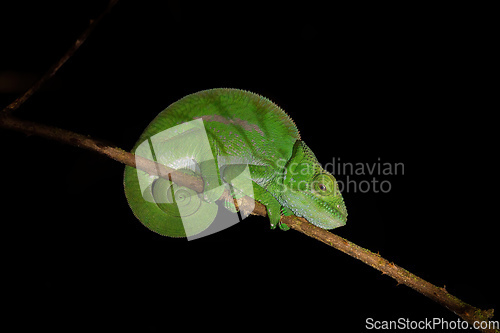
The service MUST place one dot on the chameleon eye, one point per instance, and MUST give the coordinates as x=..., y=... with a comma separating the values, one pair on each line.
x=324, y=184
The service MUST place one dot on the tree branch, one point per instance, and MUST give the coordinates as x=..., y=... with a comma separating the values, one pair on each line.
x=467, y=312
x=440, y=295
x=53, y=70
x=101, y=147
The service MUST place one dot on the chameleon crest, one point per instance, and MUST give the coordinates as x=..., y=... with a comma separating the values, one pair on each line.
x=240, y=143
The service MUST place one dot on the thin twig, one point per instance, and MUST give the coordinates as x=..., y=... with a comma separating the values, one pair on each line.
x=53, y=70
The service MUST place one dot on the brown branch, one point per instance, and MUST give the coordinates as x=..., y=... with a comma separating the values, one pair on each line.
x=53, y=70
x=440, y=295
x=82, y=141
x=467, y=312
x=101, y=147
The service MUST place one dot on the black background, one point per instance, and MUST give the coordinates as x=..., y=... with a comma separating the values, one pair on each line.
x=406, y=85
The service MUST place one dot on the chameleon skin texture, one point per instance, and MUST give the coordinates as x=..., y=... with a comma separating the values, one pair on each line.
x=243, y=131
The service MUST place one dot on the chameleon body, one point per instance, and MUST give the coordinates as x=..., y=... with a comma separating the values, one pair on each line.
x=236, y=141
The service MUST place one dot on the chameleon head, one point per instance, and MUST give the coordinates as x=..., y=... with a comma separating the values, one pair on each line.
x=311, y=192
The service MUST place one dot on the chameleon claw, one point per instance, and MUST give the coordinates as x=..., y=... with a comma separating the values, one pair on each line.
x=283, y=226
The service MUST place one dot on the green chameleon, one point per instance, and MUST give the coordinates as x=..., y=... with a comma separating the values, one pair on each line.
x=236, y=141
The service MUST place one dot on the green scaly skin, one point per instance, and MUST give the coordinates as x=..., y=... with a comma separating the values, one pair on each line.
x=250, y=130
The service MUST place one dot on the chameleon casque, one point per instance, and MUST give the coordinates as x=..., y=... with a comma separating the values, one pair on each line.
x=238, y=141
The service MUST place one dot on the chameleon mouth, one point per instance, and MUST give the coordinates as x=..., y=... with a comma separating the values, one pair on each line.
x=321, y=214
x=328, y=222
x=330, y=215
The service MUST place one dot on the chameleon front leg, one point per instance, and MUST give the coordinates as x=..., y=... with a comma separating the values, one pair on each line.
x=260, y=194
x=273, y=207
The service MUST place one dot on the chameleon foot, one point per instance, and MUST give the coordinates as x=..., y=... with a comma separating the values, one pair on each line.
x=283, y=226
